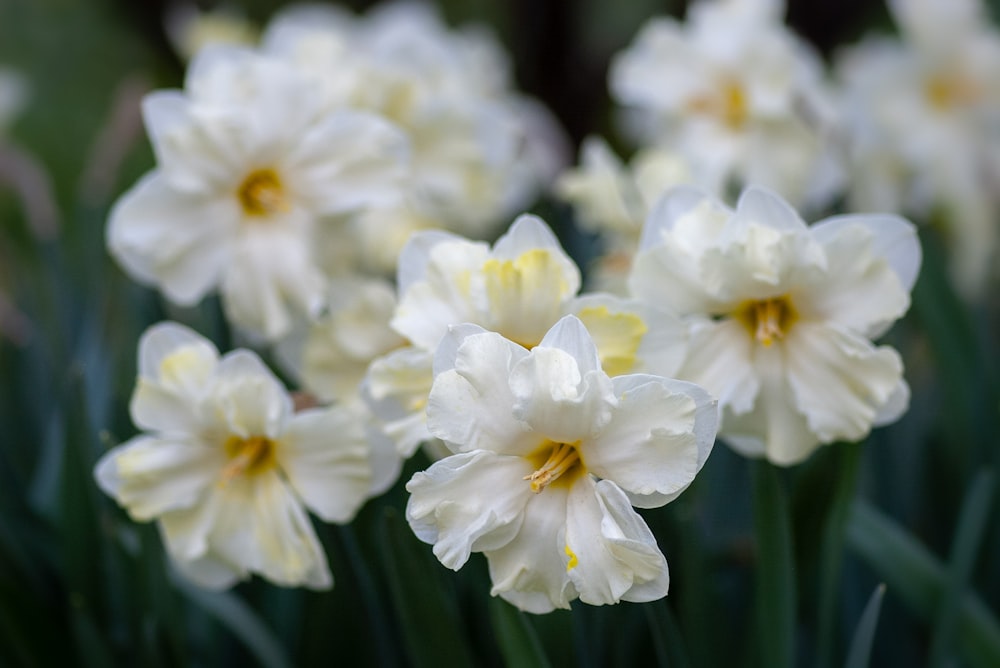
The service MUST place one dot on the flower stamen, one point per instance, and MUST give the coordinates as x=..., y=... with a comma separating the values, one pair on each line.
x=261, y=194
x=248, y=456
x=767, y=319
x=562, y=458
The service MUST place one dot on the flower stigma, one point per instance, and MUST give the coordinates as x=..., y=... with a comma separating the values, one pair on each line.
x=248, y=456
x=562, y=459
x=767, y=319
x=261, y=194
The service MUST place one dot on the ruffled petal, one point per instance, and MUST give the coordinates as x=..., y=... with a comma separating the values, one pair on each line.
x=324, y=455
x=150, y=476
x=473, y=501
x=471, y=406
x=612, y=554
x=529, y=570
x=659, y=437
x=840, y=380
x=246, y=399
x=719, y=359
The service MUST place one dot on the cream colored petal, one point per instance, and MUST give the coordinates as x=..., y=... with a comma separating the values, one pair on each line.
x=720, y=360
x=246, y=399
x=473, y=501
x=612, y=554
x=150, y=476
x=840, y=380
x=659, y=437
x=324, y=455
x=529, y=571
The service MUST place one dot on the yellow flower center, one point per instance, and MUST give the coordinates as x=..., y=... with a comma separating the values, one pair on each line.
x=767, y=319
x=248, y=456
x=262, y=194
x=563, y=461
x=730, y=105
x=947, y=92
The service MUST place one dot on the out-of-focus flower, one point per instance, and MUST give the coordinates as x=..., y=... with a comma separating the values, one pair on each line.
x=736, y=94
x=614, y=200
x=249, y=164
x=519, y=288
x=190, y=30
x=923, y=115
x=13, y=96
x=550, y=455
x=226, y=467
x=480, y=152
x=781, y=315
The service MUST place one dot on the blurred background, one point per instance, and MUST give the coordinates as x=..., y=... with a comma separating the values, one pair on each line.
x=80, y=585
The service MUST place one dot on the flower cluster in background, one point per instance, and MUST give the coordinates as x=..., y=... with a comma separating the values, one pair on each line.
x=358, y=316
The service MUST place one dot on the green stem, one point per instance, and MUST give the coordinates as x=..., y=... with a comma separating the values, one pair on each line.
x=775, y=588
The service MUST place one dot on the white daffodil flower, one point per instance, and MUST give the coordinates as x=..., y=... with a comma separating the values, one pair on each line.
x=781, y=315
x=922, y=114
x=615, y=200
x=519, y=288
x=736, y=94
x=479, y=152
x=550, y=455
x=249, y=163
x=227, y=469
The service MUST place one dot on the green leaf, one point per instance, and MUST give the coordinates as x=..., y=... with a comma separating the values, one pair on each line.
x=832, y=553
x=667, y=639
x=775, y=587
x=920, y=580
x=861, y=644
x=239, y=618
x=968, y=536
x=515, y=637
x=428, y=616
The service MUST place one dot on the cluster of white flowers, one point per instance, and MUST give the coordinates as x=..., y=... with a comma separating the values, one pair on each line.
x=923, y=113
x=386, y=142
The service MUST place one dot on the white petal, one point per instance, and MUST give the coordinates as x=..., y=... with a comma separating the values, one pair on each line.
x=874, y=261
x=612, y=553
x=396, y=391
x=324, y=454
x=164, y=339
x=471, y=406
x=659, y=437
x=472, y=501
x=840, y=380
x=178, y=242
x=720, y=360
x=773, y=426
x=563, y=396
x=529, y=232
x=895, y=405
x=150, y=476
x=529, y=571
x=246, y=398
x=763, y=207
x=416, y=256
x=690, y=213
x=209, y=572
x=350, y=160
x=289, y=552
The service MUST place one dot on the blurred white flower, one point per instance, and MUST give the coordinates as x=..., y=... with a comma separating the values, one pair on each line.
x=923, y=116
x=736, y=94
x=249, y=164
x=480, y=152
x=781, y=315
x=550, y=455
x=615, y=200
x=519, y=288
x=226, y=467
x=190, y=29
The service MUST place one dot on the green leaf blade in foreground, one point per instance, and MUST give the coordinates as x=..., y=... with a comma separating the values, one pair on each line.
x=919, y=579
x=515, y=637
x=860, y=651
x=428, y=617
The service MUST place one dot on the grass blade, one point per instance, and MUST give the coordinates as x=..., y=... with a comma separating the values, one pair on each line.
x=515, y=636
x=860, y=651
x=775, y=588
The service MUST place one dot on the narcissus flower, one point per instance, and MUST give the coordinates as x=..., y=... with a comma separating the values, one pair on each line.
x=736, y=93
x=227, y=469
x=519, y=288
x=249, y=165
x=550, y=455
x=781, y=315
